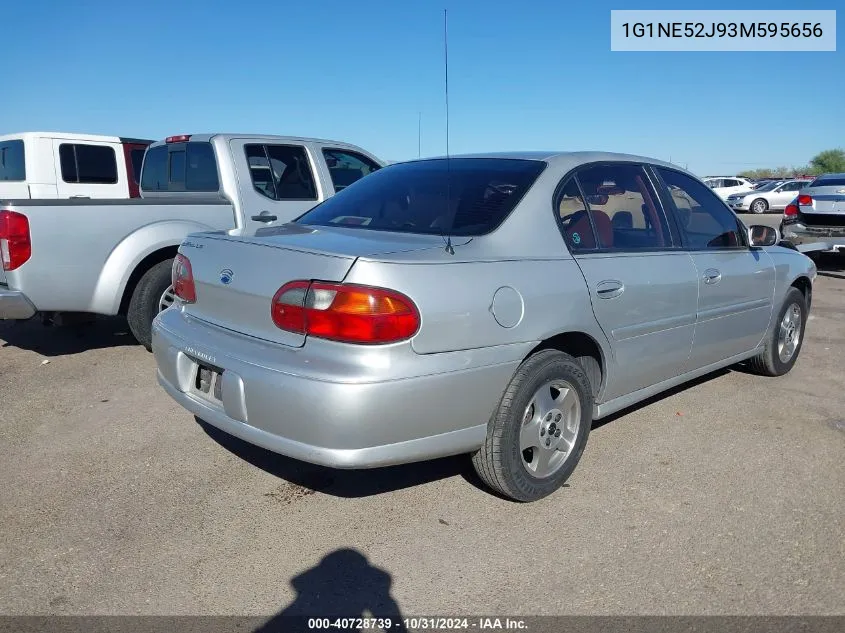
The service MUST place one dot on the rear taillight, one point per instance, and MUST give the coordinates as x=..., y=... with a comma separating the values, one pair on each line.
x=183, y=279
x=15, y=243
x=345, y=312
x=790, y=211
x=805, y=201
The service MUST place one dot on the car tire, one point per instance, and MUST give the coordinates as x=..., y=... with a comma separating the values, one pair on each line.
x=145, y=302
x=526, y=416
x=771, y=361
x=759, y=205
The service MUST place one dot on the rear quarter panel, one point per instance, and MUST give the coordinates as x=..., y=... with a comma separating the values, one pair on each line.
x=478, y=304
x=83, y=252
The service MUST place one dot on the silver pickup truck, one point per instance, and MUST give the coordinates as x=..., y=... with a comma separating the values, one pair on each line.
x=114, y=256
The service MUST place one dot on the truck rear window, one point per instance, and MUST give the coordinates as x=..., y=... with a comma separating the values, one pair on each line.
x=12, y=161
x=188, y=166
x=459, y=196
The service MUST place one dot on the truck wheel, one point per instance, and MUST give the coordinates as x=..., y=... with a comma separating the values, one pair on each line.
x=536, y=436
x=783, y=342
x=148, y=299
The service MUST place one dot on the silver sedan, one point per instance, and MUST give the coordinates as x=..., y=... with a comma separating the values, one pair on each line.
x=494, y=305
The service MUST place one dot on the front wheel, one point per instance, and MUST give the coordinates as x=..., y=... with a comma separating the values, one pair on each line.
x=783, y=341
x=538, y=433
x=152, y=295
x=759, y=206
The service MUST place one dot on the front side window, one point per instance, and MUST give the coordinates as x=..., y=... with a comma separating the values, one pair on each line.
x=703, y=218
x=281, y=172
x=623, y=209
x=12, y=161
x=346, y=167
x=457, y=196
x=88, y=164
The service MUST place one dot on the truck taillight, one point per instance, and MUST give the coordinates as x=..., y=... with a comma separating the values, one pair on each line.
x=790, y=211
x=15, y=242
x=179, y=138
x=805, y=200
x=344, y=312
x=183, y=279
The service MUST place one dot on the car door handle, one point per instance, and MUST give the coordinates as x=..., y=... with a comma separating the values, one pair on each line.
x=264, y=216
x=712, y=276
x=609, y=288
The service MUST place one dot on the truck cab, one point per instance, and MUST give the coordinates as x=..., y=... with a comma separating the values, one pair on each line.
x=56, y=165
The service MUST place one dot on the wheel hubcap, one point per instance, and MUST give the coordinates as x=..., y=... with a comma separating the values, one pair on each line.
x=758, y=207
x=167, y=299
x=549, y=428
x=789, y=333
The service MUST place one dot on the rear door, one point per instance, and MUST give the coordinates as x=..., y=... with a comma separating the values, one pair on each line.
x=642, y=284
x=277, y=181
x=736, y=283
x=89, y=170
x=13, y=183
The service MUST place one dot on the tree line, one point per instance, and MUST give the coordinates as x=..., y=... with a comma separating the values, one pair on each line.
x=826, y=162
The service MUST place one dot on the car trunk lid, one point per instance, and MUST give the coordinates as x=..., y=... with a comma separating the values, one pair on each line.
x=237, y=274
x=826, y=199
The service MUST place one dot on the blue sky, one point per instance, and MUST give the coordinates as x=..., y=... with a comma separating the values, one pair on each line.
x=526, y=75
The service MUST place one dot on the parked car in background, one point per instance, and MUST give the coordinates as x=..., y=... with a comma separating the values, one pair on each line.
x=470, y=305
x=772, y=196
x=817, y=215
x=724, y=186
x=114, y=257
x=50, y=165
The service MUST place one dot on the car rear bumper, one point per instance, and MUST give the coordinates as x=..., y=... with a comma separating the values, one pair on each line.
x=15, y=304
x=270, y=397
x=828, y=238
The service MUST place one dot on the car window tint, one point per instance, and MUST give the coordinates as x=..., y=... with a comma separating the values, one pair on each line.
x=96, y=164
x=12, y=161
x=704, y=219
x=346, y=167
x=201, y=168
x=259, y=171
x=458, y=196
x=67, y=162
x=154, y=172
x=574, y=218
x=281, y=172
x=136, y=157
x=623, y=207
x=177, y=167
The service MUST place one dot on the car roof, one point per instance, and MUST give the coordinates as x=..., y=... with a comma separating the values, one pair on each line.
x=68, y=136
x=560, y=159
x=228, y=136
x=832, y=175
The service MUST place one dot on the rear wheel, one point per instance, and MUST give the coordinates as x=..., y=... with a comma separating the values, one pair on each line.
x=759, y=206
x=783, y=342
x=536, y=436
x=152, y=295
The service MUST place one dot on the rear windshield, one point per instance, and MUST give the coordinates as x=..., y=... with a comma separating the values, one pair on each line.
x=12, y=163
x=180, y=167
x=459, y=196
x=833, y=181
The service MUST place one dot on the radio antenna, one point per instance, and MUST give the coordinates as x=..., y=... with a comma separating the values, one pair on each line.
x=419, y=135
x=449, y=248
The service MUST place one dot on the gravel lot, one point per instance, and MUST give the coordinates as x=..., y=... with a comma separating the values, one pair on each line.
x=725, y=497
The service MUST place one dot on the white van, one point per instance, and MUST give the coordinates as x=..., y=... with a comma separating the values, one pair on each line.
x=37, y=165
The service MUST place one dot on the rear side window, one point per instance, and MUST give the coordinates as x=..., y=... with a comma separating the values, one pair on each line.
x=136, y=156
x=458, y=196
x=828, y=182
x=188, y=166
x=12, y=161
x=346, y=167
x=281, y=172
x=89, y=164
x=704, y=219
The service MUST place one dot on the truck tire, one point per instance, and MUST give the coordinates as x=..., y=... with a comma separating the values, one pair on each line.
x=535, y=438
x=144, y=304
x=784, y=339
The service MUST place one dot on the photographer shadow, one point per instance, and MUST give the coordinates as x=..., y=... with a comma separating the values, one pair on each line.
x=343, y=585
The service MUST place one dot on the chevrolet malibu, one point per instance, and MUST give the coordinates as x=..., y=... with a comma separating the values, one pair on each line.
x=493, y=305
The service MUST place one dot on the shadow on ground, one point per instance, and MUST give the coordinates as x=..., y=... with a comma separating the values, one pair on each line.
x=830, y=265
x=343, y=585
x=53, y=340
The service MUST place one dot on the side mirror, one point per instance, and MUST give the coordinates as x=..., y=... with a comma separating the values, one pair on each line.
x=762, y=235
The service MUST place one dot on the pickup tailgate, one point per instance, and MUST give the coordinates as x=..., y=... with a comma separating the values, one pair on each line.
x=237, y=275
